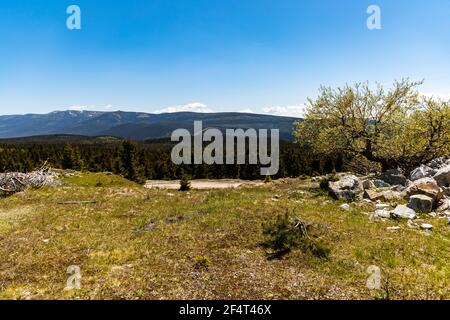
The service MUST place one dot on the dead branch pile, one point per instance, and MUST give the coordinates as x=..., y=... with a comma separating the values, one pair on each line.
x=13, y=182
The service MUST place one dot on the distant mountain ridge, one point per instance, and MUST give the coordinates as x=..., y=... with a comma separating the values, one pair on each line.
x=134, y=125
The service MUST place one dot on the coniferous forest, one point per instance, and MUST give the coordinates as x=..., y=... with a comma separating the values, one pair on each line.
x=139, y=161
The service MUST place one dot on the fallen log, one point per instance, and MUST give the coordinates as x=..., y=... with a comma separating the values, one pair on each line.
x=77, y=202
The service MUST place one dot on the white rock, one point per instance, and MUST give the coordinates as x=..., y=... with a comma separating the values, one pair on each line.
x=382, y=214
x=345, y=207
x=393, y=229
x=426, y=226
x=382, y=206
x=402, y=211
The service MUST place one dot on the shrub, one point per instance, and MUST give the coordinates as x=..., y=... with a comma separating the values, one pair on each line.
x=286, y=234
x=324, y=184
x=267, y=179
x=185, y=184
x=202, y=262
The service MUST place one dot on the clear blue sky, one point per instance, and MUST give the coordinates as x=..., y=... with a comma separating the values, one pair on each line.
x=230, y=55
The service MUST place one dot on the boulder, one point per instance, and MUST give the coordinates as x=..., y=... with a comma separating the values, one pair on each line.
x=381, y=184
x=442, y=176
x=348, y=188
x=392, y=195
x=423, y=171
x=402, y=211
x=394, y=177
x=421, y=203
x=345, y=207
x=424, y=186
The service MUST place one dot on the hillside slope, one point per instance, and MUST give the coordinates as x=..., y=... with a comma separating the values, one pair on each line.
x=136, y=243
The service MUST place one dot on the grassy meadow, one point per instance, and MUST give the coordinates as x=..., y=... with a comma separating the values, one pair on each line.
x=137, y=243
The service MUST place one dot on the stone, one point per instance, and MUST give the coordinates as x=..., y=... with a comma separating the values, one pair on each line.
x=421, y=203
x=393, y=229
x=423, y=171
x=382, y=206
x=444, y=204
x=438, y=163
x=382, y=214
x=424, y=186
x=394, y=177
x=442, y=176
x=426, y=226
x=345, y=207
x=381, y=184
x=392, y=195
x=372, y=195
x=348, y=188
x=403, y=212
x=368, y=184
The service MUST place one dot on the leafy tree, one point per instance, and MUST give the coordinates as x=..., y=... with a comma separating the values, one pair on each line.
x=395, y=127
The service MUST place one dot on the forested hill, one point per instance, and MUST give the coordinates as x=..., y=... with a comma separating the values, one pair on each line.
x=134, y=125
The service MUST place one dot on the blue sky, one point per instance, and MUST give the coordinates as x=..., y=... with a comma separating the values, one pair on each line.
x=228, y=55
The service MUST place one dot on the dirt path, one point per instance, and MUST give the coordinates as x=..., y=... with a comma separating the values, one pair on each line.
x=203, y=184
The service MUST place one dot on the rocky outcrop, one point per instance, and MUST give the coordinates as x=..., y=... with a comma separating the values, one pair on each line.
x=348, y=188
x=424, y=186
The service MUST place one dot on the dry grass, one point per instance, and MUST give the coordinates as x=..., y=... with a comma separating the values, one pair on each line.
x=141, y=244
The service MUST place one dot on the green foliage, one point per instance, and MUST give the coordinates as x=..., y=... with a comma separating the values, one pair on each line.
x=202, y=262
x=324, y=184
x=286, y=234
x=71, y=158
x=392, y=127
x=185, y=184
x=131, y=169
x=268, y=179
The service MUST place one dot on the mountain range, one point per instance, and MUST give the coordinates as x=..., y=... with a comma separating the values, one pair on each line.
x=134, y=125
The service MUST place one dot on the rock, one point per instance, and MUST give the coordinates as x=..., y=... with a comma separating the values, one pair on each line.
x=372, y=195
x=381, y=184
x=442, y=176
x=438, y=163
x=426, y=226
x=368, y=184
x=382, y=206
x=421, y=203
x=393, y=229
x=382, y=214
x=393, y=177
x=424, y=186
x=392, y=195
x=345, y=207
x=444, y=204
x=348, y=188
x=423, y=171
x=385, y=195
x=402, y=211
x=367, y=201
x=398, y=188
